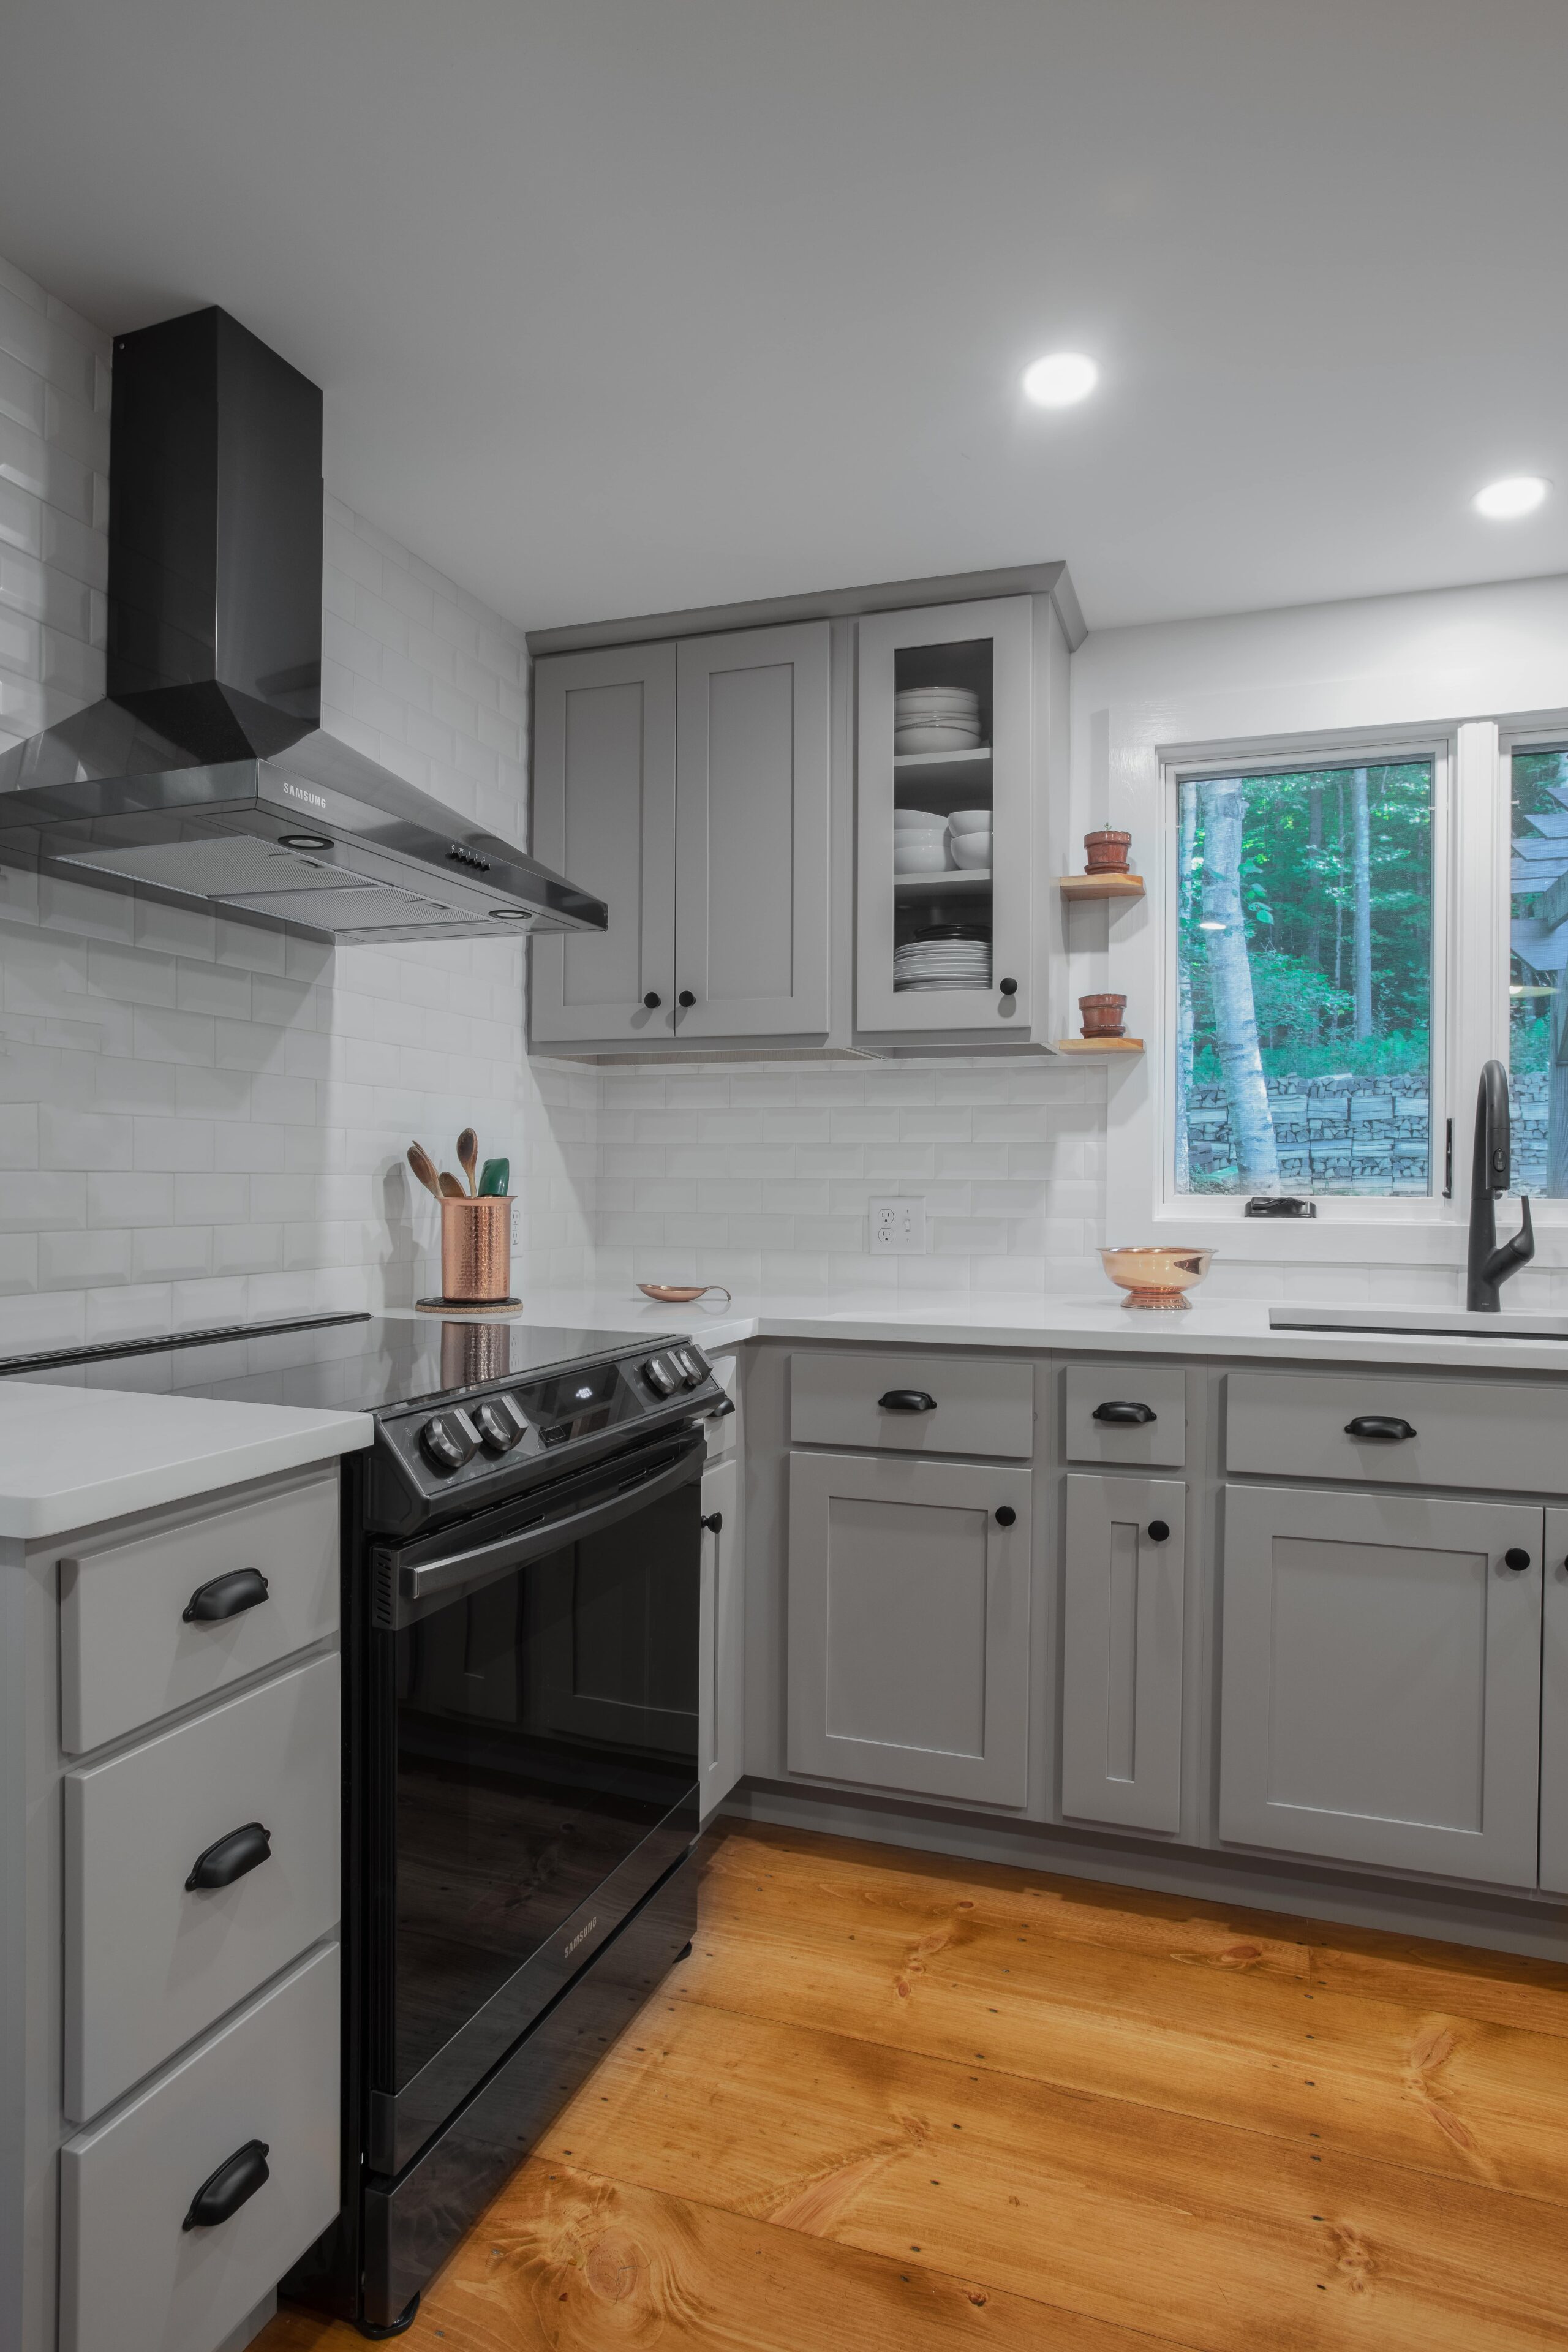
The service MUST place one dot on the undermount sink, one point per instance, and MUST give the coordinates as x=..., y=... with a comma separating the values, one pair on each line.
x=1459, y=1321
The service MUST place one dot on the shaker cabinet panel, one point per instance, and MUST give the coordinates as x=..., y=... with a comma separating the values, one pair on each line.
x=604, y=813
x=721, y=1702
x=750, y=833
x=1124, y=1578
x=1555, y=1708
x=944, y=923
x=1381, y=1669
x=909, y=1612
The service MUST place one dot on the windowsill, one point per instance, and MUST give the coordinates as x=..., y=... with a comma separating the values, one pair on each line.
x=1432, y=1240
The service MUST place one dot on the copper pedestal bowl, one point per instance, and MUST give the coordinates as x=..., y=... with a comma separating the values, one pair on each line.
x=1157, y=1276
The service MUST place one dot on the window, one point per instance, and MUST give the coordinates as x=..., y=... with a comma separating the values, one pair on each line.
x=1304, y=980
x=1538, y=945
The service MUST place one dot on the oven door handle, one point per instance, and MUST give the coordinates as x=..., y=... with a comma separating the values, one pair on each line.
x=464, y=1572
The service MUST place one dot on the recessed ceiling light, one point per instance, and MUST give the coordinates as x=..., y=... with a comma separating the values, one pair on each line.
x=1059, y=379
x=1516, y=494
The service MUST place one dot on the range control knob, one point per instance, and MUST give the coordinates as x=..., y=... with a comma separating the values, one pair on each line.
x=446, y=1441
x=497, y=1428
x=658, y=1376
x=690, y=1366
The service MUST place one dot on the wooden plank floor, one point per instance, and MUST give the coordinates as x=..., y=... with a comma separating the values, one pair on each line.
x=899, y=2103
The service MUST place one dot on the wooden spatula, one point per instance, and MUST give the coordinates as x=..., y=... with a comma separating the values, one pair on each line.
x=424, y=1167
x=468, y=1156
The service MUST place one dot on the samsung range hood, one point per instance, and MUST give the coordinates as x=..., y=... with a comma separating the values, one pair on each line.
x=205, y=772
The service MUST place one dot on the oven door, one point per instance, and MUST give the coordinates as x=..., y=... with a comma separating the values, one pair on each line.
x=535, y=1761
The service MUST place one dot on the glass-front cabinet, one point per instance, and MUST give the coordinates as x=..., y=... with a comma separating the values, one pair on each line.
x=945, y=772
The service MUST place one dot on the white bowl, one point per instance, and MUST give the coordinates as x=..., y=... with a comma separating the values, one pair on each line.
x=918, y=821
x=971, y=850
x=931, y=735
x=920, y=857
x=927, y=696
x=969, y=821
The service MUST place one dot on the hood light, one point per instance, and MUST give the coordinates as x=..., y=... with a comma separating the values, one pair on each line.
x=303, y=840
x=511, y=915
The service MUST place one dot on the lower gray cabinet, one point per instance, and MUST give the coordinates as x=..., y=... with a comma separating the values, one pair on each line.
x=1555, y=1708
x=720, y=1700
x=1124, y=1576
x=909, y=1620
x=1381, y=1667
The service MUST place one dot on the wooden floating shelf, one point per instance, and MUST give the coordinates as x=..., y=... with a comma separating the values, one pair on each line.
x=1100, y=886
x=941, y=885
x=1099, y=1044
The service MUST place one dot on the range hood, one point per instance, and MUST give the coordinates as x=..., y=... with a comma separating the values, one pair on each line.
x=205, y=773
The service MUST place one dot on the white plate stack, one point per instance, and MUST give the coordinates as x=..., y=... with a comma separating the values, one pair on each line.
x=952, y=955
x=936, y=719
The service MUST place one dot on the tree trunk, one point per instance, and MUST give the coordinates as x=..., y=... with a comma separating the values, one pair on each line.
x=1187, y=831
x=1362, y=903
x=1340, y=890
x=1230, y=980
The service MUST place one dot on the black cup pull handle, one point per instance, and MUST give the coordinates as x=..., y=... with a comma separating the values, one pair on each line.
x=1124, y=1415
x=223, y=2193
x=225, y=1596
x=242, y=1850
x=1517, y=1559
x=1159, y=1532
x=714, y=1522
x=905, y=1400
x=1386, y=1427
x=653, y=1000
x=1007, y=1515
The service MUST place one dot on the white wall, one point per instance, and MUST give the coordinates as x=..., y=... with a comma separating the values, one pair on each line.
x=201, y=1122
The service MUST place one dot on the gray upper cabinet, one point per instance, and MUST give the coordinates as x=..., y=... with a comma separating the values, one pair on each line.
x=1381, y=1669
x=1124, y=1578
x=750, y=834
x=603, y=812
x=909, y=1620
x=688, y=786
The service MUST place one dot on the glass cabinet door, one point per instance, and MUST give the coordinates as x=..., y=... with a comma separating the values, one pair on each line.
x=945, y=771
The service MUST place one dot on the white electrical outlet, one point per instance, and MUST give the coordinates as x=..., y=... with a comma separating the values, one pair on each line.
x=899, y=1223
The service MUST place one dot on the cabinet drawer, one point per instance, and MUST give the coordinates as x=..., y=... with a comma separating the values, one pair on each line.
x=1103, y=1402
x=1463, y=1433
x=977, y=1405
x=133, y=2278
x=150, y=1963
x=127, y=1653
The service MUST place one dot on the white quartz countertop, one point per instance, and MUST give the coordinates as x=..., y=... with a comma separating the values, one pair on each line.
x=1097, y=1326
x=73, y=1457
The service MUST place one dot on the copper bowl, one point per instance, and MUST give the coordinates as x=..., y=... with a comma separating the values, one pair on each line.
x=1156, y=1276
x=681, y=1294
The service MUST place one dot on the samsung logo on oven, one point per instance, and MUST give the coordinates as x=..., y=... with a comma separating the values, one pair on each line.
x=311, y=800
x=581, y=1936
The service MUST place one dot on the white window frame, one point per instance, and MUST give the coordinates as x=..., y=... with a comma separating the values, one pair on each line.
x=1471, y=801
x=1540, y=731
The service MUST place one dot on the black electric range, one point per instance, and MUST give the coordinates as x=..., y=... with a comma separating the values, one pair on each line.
x=521, y=1616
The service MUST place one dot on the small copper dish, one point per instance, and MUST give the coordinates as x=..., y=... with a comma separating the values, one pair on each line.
x=681, y=1294
x=1157, y=1276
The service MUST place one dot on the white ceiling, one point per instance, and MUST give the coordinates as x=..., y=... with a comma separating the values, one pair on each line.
x=623, y=305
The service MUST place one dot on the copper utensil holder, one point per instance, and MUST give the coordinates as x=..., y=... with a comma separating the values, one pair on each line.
x=476, y=1249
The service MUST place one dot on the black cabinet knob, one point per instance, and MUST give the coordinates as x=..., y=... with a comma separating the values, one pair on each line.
x=1386, y=1427
x=1516, y=1558
x=225, y=1596
x=714, y=1522
x=1157, y=1531
x=1008, y=987
x=905, y=1400
x=223, y=2193
x=1123, y=1414
x=1007, y=1515
x=241, y=1851
x=685, y=999
x=653, y=1000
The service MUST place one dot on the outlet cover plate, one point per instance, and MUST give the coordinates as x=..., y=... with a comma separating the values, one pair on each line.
x=898, y=1225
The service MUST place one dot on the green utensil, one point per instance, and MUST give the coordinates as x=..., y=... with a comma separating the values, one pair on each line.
x=494, y=1177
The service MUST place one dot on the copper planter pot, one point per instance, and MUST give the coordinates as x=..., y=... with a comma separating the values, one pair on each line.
x=1103, y=1015
x=476, y=1250
x=1105, y=852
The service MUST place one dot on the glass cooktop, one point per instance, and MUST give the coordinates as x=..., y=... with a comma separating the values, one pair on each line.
x=354, y=1365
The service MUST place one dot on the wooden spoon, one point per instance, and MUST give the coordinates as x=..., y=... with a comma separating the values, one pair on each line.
x=451, y=1190
x=467, y=1157
x=424, y=1167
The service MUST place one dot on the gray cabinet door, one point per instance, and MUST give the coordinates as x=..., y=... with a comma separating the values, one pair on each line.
x=750, y=834
x=721, y=1715
x=1124, y=1574
x=1381, y=1670
x=909, y=1620
x=604, y=813
x=1555, y=1708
